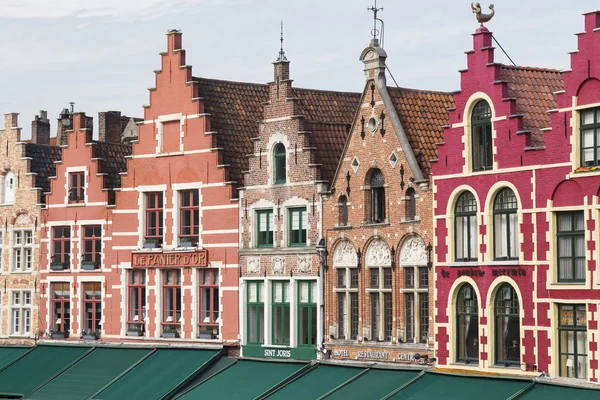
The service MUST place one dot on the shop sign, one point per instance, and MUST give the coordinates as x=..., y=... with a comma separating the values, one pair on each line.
x=178, y=259
x=279, y=353
x=375, y=355
x=378, y=355
x=509, y=272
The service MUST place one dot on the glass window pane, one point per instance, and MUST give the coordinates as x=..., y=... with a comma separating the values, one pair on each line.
x=587, y=117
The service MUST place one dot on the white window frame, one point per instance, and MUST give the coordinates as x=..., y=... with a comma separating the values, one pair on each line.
x=346, y=291
x=5, y=201
x=416, y=291
x=22, y=250
x=380, y=291
x=21, y=310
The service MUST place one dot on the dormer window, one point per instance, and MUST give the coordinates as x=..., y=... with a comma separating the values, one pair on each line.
x=279, y=158
x=9, y=188
x=76, y=187
x=590, y=138
x=481, y=133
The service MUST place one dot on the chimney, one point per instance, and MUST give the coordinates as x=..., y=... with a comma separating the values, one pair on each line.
x=65, y=122
x=110, y=126
x=40, y=128
x=374, y=59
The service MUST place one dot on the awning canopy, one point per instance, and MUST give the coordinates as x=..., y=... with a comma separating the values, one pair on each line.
x=542, y=391
x=374, y=384
x=10, y=354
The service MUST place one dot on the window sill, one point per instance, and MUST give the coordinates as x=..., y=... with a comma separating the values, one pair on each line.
x=463, y=264
x=496, y=263
x=412, y=221
x=75, y=205
x=342, y=227
x=6, y=204
x=375, y=224
x=21, y=272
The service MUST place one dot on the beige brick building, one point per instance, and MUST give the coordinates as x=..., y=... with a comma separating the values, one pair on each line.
x=24, y=171
x=378, y=223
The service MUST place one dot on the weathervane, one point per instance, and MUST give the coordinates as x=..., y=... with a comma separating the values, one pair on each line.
x=281, y=52
x=375, y=31
x=481, y=18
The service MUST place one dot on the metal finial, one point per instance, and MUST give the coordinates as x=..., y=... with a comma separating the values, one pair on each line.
x=281, y=52
x=375, y=31
x=481, y=18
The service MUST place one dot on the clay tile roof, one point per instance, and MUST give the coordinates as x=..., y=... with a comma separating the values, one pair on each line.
x=236, y=110
x=422, y=114
x=111, y=161
x=533, y=88
x=329, y=141
x=42, y=163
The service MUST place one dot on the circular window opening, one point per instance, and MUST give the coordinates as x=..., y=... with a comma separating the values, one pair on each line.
x=372, y=124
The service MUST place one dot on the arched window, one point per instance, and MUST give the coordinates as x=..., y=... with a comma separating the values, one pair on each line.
x=411, y=205
x=505, y=226
x=9, y=188
x=467, y=325
x=343, y=211
x=377, y=196
x=280, y=164
x=465, y=228
x=481, y=132
x=508, y=332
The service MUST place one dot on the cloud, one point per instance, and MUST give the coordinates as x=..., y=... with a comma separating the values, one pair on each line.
x=126, y=10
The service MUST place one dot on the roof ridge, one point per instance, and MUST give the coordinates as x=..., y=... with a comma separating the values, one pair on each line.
x=526, y=67
x=419, y=90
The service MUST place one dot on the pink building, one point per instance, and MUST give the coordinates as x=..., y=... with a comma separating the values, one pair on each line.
x=516, y=215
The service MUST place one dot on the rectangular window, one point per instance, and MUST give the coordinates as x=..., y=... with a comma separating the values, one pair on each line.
x=298, y=219
x=265, y=225
x=92, y=307
x=571, y=246
x=22, y=251
x=21, y=312
x=136, y=317
x=154, y=218
x=409, y=277
x=92, y=245
x=374, y=278
x=189, y=215
x=466, y=238
x=590, y=138
x=171, y=315
x=209, y=303
x=423, y=317
x=307, y=313
x=423, y=278
x=77, y=187
x=61, y=245
x=347, y=285
x=341, y=275
x=255, y=301
x=281, y=312
x=61, y=307
x=387, y=278
x=409, y=299
x=354, y=278
x=353, y=316
x=573, y=348
x=342, y=315
x=375, y=316
x=387, y=317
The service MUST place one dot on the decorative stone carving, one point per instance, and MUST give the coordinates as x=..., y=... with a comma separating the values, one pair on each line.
x=278, y=265
x=21, y=218
x=413, y=251
x=345, y=254
x=305, y=265
x=378, y=254
x=253, y=267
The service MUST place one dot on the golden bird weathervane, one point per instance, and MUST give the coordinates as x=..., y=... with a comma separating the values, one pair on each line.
x=481, y=18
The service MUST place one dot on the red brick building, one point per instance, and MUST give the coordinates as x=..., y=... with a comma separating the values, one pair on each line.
x=516, y=216
x=378, y=223
x=293, y=153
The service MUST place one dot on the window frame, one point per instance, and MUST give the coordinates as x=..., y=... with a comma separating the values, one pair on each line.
x=259, y=287
x=414, y=289
x=342, y=211
x=302, y=230
x=278, y=154
x=573, y=234
x=65, y=306
x=213, y=309
x=76, y=187
x=379, y=292
x=22, y=253
x=95, y=255
x=312, y=312
x=481, y=129
x=410, y=207
x=377, y=198
x=175, y=291
x=507, y=213
x=95, y=303
x=285, y=308
x=575, y=328
x=595, y=127
x=516, y=316
x=154, y=233
x=139, y=288
x=193, y=211
x=474, y=304
x=21, y=311
x=9, y=174
x=269, y=219
x=470, y=235
x=348, y=328
x=64, y=256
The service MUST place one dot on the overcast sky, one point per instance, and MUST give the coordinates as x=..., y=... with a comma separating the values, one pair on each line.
x=101, y=54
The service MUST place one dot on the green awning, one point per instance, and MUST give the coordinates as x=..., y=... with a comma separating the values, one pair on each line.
x=243, y=380
x=90, y=374
x=316, y=383
x=448, y=387
x=375, y=384
x=36, y=367
x=157, y=375
x=543, y=391
x=9, y=354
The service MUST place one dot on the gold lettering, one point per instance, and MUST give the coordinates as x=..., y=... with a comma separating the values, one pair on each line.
x=195, y=259
x=186, y=260
x=202, y=257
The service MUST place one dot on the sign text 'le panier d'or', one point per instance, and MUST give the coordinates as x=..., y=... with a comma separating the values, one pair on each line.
x=179, y=259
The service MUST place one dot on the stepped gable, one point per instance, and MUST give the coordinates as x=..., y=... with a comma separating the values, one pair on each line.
x=112, y=161
x=236, y=110
x=422, y=114
x=533, y=89
x=43, y=163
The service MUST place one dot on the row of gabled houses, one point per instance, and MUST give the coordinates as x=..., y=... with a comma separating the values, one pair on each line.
x=394, y=225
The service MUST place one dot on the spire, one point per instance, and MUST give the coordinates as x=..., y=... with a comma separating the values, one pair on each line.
x=281, y=52
x=376, y=32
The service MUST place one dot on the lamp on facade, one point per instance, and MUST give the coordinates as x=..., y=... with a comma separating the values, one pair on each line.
x=322, y=252
x=393, y=255
x=359, y=258
x=429, y=248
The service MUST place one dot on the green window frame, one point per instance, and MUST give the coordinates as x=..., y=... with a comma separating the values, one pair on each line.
x=467, y=325
x=589, y=129
x=255, y=312
x=307, y=313
x=572, y=341
x=298, y=224
x=264, y=228
x=570, y=244
x=506, y=242
x=508, y=326
x=280, y=296
x=465, y=228
x=481, y=136
x=279, y=158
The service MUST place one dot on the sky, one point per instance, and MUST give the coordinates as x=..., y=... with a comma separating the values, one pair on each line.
x=102, y=54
